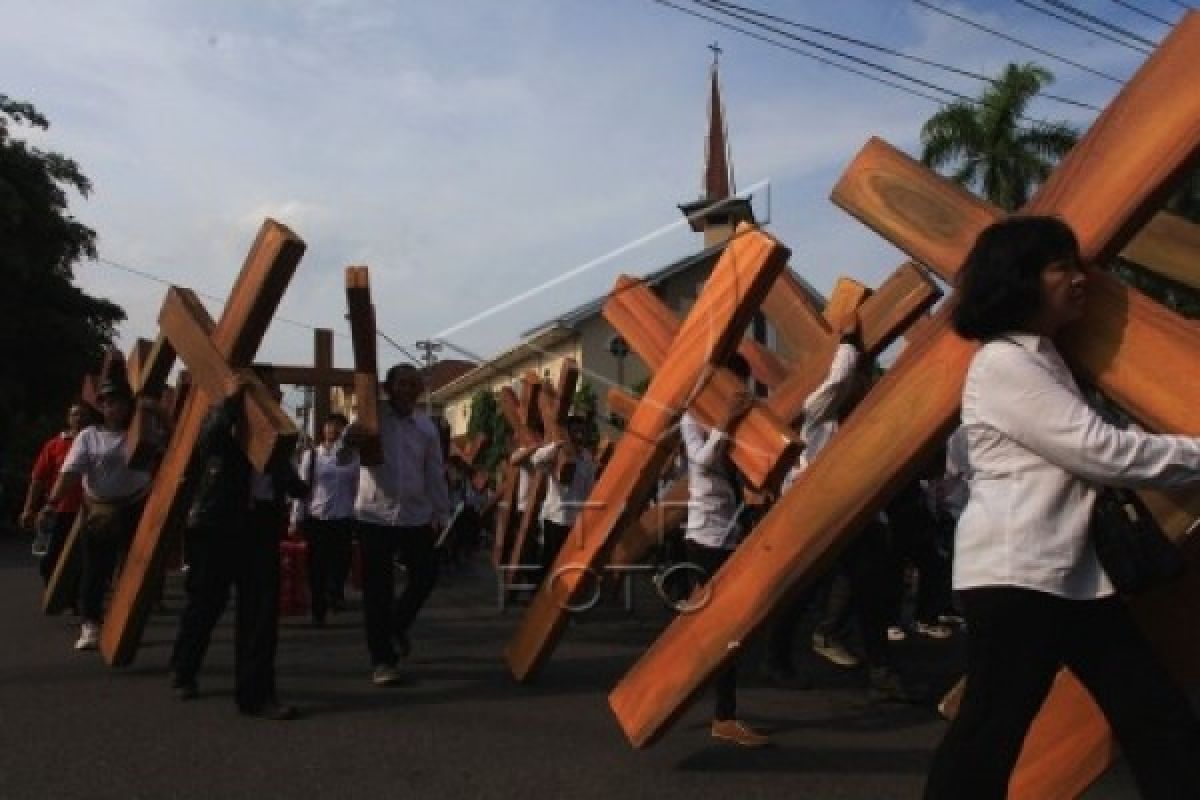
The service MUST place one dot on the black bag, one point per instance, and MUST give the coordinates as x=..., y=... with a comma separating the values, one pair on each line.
x=1132, y=548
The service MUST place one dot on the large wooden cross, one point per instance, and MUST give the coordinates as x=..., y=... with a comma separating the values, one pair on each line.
x=211, y=352
x=1154, y=126
x=322, y=377
x=366, y=365
x=712, y=331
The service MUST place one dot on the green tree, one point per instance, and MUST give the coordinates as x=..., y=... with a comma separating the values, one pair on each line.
x=585, y=404
x=988, y=147
x=486, y=418
x=51, y=332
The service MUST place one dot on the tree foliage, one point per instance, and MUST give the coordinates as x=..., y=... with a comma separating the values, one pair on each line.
x=990, y=148
x=487, y=418
x=51, y=332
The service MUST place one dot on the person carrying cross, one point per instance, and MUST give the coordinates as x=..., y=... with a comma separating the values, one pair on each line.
x=714, y=528
x=113, y=497
x=401, y=506
x=232, y=539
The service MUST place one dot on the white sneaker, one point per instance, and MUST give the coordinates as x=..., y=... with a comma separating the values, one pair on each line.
x=89, y=636
x=386, y=675
x=896, y=634
x=935, y=630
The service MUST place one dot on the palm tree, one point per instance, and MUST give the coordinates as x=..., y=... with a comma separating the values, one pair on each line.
x=987, y=145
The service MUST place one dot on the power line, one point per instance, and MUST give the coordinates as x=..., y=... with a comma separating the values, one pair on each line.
x=798, y=51
x=1103, y=23
x=1001, y=35
x=1081, y=26
x=141, y=273
x=1145, y=14
x=887, y=50
x=849, y=57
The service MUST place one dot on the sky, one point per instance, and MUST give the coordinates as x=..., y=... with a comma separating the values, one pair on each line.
x=470, y=151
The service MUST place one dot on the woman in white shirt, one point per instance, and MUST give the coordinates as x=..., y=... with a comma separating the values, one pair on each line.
x=327, y=516
x=1033, y=593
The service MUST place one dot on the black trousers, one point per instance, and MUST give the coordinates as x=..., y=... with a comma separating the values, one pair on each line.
x=866, y=582
x=329, y=552
x=60, y=529
x=385, y=616
x=243, y=554
x=553, y=538
x=709, y=560
x=1016, y=641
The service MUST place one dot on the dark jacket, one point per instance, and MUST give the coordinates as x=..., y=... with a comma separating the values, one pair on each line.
x=223, y=474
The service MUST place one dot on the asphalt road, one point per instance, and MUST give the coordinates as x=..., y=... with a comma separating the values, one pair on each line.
x=72, y=728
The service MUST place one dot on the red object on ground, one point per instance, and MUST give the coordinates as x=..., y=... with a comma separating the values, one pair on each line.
x=293, y=577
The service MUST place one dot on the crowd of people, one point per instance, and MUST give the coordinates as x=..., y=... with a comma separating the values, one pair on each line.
x=995, y=533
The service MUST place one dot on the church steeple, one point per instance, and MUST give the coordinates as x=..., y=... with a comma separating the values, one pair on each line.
x=717, y=212
x=718, y=171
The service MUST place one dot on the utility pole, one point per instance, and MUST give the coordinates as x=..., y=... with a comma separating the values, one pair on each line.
x=428, y=349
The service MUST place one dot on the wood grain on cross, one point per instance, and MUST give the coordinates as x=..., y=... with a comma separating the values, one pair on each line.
x=366, y=364
x=236, y=336
x=521, y=413
x=1155, y=125
x=149, y=368
x=712, y=331
x=554, y=403
x=883, y=316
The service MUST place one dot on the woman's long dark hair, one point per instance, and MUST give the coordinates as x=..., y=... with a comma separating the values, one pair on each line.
x=999, y=285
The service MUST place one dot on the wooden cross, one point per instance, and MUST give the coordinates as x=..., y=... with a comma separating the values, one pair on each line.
x=366, y=364
x=322, y=376
x=230, y=346
x=520, y=413
x=1155, y=125
x=883, y=316
x=149, y=367
x=549, y=405
x=747, y=268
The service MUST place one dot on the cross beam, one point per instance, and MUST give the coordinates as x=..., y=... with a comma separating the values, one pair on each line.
x=366, y=364
x=732, y=295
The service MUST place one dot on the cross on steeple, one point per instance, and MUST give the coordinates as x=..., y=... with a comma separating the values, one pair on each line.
x=716, y=49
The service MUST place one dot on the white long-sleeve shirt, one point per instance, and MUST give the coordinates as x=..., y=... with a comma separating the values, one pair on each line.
x=1036, y=453
x=712, y=500
x=409, y=488
x=334, y=485
x=563, y=500
x=821, y=410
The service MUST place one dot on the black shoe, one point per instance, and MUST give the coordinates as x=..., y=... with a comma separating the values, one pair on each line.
x=318, y=620
x=272, y=710
x=184, y=688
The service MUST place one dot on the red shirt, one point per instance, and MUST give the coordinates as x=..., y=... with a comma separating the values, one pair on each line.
x=46, y=468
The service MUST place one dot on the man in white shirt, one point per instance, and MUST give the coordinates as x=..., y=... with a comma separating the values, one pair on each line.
x=563, y=501
x=713, y=530
x=401, y=504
